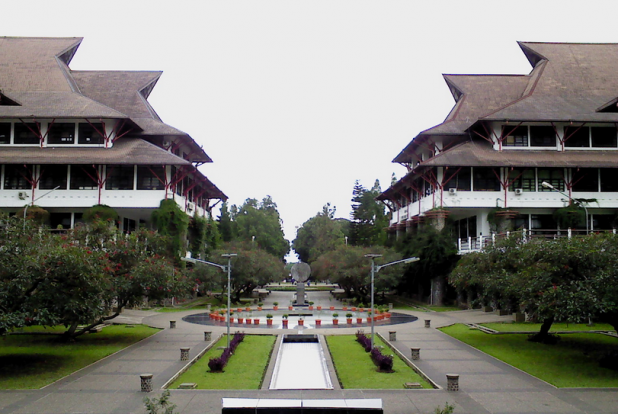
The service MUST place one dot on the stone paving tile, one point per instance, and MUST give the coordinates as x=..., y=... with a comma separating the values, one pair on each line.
x=130, y=366
x=462, y=367
x=11, y=397
x=56, y=403
x=496, y=382
x=528, y=402
x=447, y=354
x=104, y=383
x=605, y=401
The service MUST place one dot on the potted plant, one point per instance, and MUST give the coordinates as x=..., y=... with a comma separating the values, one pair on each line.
x=301, y=321
x=269, y=320
x=290, y=307
x=369, y=316
x=335, y=320
x=260, y=304
x=353, y=308
x=311, y=305
x=359, y=320
x=276, y=305
x=248, y=320
x=285, y=320
x=256, y=321
x=348, y=317
x=239, y=310
x=318, y=322
x=319, y=307
x=231, y=316
x=241, y=320
x=248, y=309
x=345, y=308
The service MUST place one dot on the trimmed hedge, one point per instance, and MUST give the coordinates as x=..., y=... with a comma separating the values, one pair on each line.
x=217, y=364
x=383, y=362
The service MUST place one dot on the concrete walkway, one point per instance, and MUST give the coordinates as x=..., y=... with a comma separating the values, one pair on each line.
x=486, y=384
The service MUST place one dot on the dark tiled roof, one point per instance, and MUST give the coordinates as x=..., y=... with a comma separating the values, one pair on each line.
x=481, y=154
x=569, y=82
x=125, y=151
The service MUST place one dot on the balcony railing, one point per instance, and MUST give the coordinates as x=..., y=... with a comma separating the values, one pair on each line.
x=475, y=244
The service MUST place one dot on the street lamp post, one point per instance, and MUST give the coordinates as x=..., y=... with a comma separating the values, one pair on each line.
x=551, y=187
x=375, y=269
x=223, y=268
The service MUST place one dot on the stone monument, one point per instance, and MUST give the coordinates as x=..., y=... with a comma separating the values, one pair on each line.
x=300, y=273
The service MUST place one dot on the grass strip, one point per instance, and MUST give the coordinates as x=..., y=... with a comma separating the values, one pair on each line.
x=244, y=371
x=535, y=327
x=33, y=361
x=572, y=362
x=356, y=370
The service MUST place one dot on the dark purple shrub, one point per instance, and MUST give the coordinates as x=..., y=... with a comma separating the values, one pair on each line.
x=383, y=362
x=362, y=339
x=217, y=364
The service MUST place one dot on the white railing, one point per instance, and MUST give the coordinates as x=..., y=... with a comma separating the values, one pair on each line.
x=475, y=244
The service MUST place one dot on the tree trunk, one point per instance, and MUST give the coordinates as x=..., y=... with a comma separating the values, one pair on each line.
x=543, y=334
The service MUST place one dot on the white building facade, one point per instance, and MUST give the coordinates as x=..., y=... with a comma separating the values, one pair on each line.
x=509, y=134
x=73, y=139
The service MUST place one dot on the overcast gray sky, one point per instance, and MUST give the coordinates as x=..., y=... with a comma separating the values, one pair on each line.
x=298, y=99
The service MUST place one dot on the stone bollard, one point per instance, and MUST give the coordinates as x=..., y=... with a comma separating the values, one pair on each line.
x=452, y=382
x=392, y=335
x=427, y=323
x=184, y=354
x=415, y=353
x=208, y=307
x=146, y=380
x=207, y=336
x=172, y=324
x=390, y=306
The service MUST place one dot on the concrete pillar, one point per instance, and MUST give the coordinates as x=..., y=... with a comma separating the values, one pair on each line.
x=184, y=354
x=415, y=353
x=452, y=382
x=146, y=382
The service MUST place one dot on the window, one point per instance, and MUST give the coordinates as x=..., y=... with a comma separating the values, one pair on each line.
x=524, y=179
x=517, y=136
x=17, y=177
x=462, y=180
x=88, y=134
x=148, y=178
x=83, y=177
x=60, y=219
x=577, y=137
x=5, y=133
x=129, y=225
x=554, y=176
x=542, y=136
x=485, y=179
x=585, y=179
x=53, y=176
x=603, y=137
x=24, y=134
x=608, y=180
x=541, y=222
x=61, y=133
x=119, y=177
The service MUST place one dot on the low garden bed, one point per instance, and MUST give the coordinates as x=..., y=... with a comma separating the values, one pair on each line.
x=244, y=370
x=572, y=362
x=356, y=370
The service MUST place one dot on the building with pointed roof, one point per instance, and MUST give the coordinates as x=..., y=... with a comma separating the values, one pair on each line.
x=91, y=137
x=518, y=147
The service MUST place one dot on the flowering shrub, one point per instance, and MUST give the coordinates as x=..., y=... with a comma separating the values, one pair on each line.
x=383, y=362
x=217, y=364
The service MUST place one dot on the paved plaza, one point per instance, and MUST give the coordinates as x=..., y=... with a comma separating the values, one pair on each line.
x=486, y=385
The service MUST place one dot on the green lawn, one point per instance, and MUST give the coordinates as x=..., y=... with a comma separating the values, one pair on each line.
x=356, y=370
x=33, y=361
x=573, y=362
x=244, y=370
x=534, y=327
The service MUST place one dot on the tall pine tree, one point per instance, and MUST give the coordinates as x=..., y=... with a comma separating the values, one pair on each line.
x=368, y=217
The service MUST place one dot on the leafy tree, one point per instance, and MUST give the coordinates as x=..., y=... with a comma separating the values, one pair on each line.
x=369, y=219
x=252, y=267
x=171, y=221
x=348, y=267
x=260, y=223
x=318, y=235
x=563, y=279
x=437, y=252
x=225, y=224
